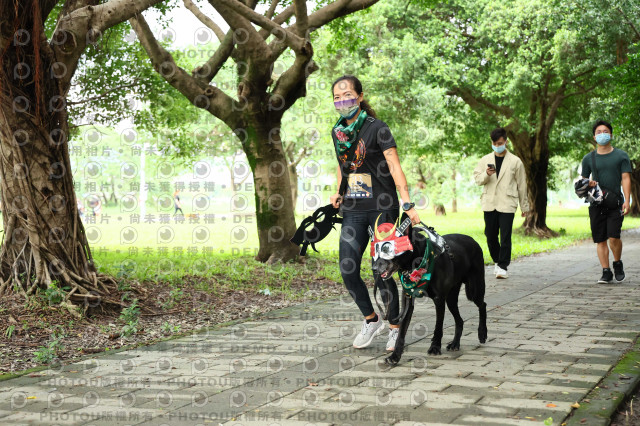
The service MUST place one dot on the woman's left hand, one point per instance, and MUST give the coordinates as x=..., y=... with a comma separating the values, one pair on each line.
x=413, y=215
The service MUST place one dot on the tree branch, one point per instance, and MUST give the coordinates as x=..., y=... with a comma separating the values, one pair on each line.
x=478, y=102
x=291, y=39
x=71, y=5
x=323, y=16
x=239, y=24
x=292, y=83
x=106, y=93
x=280, y=19
x=288, y=150
x=302, y=20
x=272, y=9
x=301, y=155
x=553, y=108
x=210, y=68
x=585, y=91
x=336, y=10
x=199, y=93
x=204, y=19
x=86, y=24
x=580, y=74
x=633, y=27
x=251, y=48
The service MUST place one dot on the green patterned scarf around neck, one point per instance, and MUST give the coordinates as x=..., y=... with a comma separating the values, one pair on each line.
x=346, y=135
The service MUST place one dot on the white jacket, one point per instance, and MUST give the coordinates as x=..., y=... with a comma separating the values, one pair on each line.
x=503, y=192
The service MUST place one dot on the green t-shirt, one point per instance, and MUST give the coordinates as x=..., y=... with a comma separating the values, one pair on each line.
x=610, y=168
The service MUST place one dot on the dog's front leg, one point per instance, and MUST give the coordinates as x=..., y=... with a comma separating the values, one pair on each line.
x=395, y=356
x=436, y=340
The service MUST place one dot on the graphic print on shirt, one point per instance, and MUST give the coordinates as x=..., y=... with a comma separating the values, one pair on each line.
x=359, y=186
x=358, y=158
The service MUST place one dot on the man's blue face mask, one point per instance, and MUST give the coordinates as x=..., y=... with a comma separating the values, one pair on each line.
x=603, y=138
x=499, y=149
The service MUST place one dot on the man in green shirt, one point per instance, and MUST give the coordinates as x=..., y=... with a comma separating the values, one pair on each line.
x=613, y=168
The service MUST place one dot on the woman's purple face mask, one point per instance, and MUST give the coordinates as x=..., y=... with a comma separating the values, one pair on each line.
x=346, y=103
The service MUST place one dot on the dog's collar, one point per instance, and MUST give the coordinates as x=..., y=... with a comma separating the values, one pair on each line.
x=415, y=282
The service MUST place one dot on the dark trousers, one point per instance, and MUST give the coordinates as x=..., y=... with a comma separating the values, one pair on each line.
x=354, y=242
x=495, y=222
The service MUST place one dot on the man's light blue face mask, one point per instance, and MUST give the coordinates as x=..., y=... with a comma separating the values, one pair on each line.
x=499, y=149
x=603, y=138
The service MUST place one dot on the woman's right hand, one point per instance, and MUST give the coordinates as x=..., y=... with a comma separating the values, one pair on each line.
x=336, y=199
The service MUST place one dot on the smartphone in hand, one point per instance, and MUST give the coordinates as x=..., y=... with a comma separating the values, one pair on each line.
x=491, y=166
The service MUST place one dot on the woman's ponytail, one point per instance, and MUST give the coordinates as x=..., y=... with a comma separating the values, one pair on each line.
x=365, y=106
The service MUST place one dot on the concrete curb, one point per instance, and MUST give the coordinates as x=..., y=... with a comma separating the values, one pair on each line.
x=602, y=402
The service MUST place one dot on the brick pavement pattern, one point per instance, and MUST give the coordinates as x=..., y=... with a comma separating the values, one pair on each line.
x=553, y=334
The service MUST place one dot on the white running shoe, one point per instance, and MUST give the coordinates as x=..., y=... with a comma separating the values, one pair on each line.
x=495, y=269
x=502, y=273
x=393, y=338
x=368, y=332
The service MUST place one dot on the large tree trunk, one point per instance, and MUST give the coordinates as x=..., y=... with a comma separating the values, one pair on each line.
x=534, y=153
x=274, y=207
x=44, y=243
x=454, y=202
x=293, y=178
x=635, y=191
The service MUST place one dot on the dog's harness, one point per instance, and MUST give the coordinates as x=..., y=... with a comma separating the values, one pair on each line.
x=415, y=283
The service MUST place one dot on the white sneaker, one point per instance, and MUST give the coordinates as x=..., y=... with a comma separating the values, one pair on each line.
x=495, y=269
x=393, y=338
x=368, y=332
x=501, y=273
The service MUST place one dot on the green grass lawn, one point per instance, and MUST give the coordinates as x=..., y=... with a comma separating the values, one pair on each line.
x=229, y=259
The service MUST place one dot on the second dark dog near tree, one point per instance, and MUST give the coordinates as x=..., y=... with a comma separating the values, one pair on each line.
x=462, y=262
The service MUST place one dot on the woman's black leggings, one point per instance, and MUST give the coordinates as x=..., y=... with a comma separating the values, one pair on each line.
x=354, y=242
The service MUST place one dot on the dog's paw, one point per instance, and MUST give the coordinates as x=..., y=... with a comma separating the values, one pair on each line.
x=453, y=346
x=434, y=350
x=482, y=334
x=392, y=360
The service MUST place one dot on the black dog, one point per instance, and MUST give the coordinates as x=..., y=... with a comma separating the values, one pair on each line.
x=461, y=262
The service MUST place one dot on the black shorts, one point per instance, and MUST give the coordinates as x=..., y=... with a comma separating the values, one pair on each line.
x=605, y=223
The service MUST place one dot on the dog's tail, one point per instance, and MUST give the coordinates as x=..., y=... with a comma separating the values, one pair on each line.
x=474, y=284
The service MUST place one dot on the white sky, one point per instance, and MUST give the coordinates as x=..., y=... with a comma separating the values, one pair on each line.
x=185, y=25
x=187, y=30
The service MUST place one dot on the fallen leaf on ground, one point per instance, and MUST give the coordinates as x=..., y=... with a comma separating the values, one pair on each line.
x=551, y=405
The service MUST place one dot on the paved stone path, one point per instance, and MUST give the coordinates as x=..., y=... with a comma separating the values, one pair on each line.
x=553, y=334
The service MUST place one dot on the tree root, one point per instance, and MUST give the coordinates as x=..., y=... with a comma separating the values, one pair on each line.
x=540, y=232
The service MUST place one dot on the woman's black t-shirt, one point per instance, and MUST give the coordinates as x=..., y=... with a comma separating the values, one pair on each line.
x=370, y=185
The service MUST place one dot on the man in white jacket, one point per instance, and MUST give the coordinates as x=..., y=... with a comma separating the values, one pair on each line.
x=502, y=176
